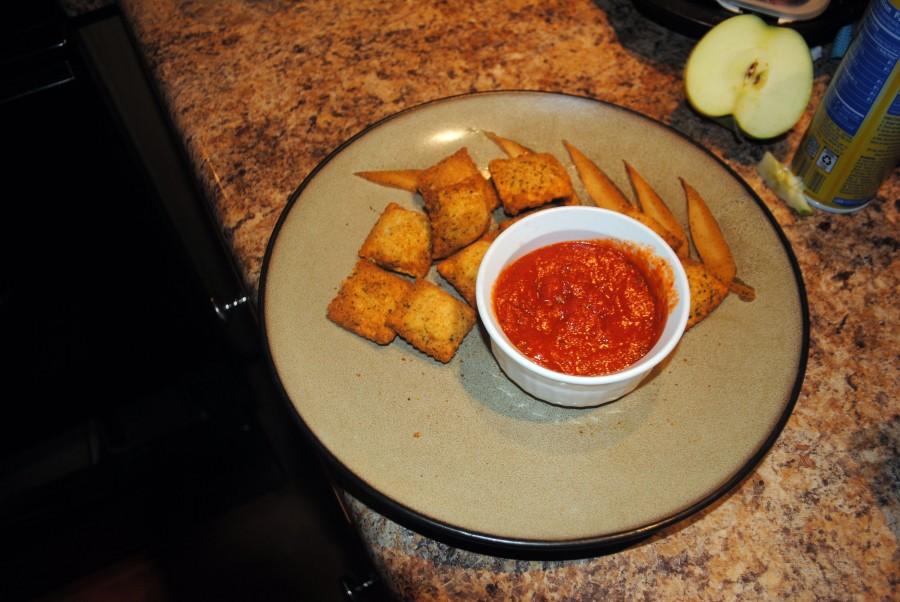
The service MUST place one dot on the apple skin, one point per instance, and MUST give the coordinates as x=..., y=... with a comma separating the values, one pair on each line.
x=760, y=75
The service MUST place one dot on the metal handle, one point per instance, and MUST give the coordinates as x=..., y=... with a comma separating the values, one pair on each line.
x=350, y=588
x=222, y=309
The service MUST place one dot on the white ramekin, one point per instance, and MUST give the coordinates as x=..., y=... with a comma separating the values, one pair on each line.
x=561, y=224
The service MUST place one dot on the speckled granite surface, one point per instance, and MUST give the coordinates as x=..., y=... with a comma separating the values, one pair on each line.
x=261, y=92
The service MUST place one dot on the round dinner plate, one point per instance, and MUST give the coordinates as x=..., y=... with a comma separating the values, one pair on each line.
x=457, y=451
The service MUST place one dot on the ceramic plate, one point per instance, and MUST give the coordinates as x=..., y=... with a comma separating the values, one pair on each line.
x=457, y=451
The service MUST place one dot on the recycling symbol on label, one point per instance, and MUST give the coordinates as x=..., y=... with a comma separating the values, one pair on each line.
x=827, y=160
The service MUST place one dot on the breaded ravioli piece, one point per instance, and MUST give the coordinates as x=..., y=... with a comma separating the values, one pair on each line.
x=365, y=300
x=432, y=320
x=452, y=170
x=458, y=215
x=400, y=241
x=461, y=268
x=574, y=201
x=529, y=181
x=448, y=171
x=707, y=291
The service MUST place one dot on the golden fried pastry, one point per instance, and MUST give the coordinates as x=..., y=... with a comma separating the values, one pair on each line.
x=400, y=241
x=707, y=291
x=574, y=201
x=653, y=206
x=601, y=190
x=404, y=179
x=529, y=181
x=491, y=200
x=448, y=171
x=432, y=320
x=365, y=300
x=452, y=170
x=461, y=268
x=458, y=215
x=707, y=236
x=511, y=147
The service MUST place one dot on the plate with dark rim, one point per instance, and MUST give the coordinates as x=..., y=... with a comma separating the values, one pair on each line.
x=456, y=451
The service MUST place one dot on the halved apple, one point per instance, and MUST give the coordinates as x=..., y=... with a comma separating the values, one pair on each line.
x=759, y=74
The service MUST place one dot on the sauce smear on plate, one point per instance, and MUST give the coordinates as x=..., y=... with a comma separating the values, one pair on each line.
x=583, y=308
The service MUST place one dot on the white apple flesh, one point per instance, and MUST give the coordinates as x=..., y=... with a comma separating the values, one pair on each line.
x=759, y=74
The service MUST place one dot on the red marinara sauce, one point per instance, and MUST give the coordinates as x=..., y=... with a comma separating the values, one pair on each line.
x=584, y=308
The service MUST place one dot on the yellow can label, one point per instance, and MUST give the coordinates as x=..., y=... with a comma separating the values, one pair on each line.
x=853, y=142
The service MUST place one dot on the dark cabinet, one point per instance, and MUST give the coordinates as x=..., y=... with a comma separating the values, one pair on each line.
x=138, y=417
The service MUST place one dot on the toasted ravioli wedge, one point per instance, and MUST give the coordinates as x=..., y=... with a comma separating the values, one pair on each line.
x=404, y=179
x=458, y=215
x=652, y=205
x=744, y=291
x=707, y=291
x=366, y=299
x=508, y=146
x=432, y=320
x=529, y=181
x=638, y=215
x=400, y=241
x=461, y=268
x=448, y=171
x=602, y=191
x=707, y=236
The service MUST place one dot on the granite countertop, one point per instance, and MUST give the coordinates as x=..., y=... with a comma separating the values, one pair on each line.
x=260, y=92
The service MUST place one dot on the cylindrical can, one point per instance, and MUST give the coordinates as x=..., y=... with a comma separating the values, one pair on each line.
x=853, y=142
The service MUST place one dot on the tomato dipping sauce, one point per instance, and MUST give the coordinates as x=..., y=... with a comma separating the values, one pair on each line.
x=585, y=308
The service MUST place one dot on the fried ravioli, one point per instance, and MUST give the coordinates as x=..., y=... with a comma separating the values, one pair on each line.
x=366, y=299
x=707, y=291
x=432, y=320
x=446, y=172
x=458, y=215
x=529, y=181
x=400, y=241
x=450, y=171
x=461, y=268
